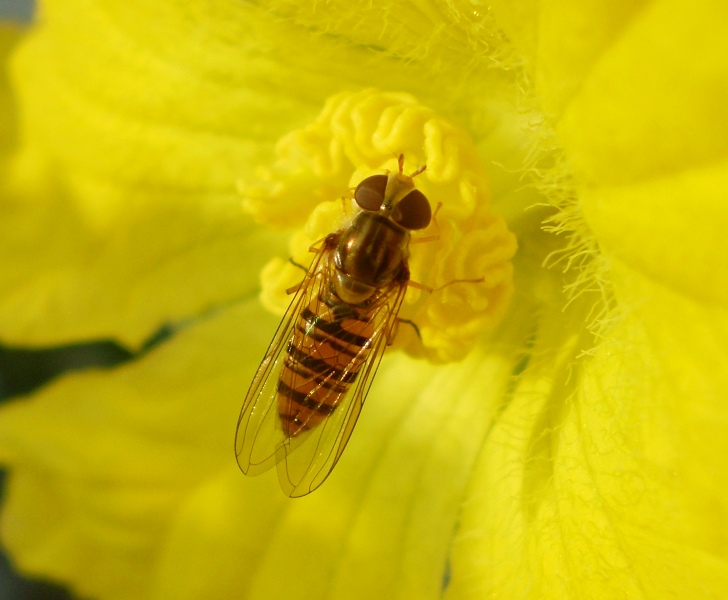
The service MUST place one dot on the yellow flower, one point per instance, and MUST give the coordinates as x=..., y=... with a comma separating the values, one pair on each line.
x=577, y=451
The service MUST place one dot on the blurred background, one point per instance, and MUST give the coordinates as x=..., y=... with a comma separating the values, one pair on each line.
x=21, y=371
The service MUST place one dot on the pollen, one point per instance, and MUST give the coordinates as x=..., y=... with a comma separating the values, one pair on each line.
x=461, y=262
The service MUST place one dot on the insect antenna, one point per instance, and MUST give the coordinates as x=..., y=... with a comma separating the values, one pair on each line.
x=417, y=171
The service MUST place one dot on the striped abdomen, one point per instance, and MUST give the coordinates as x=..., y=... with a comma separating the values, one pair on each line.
x=330, y=342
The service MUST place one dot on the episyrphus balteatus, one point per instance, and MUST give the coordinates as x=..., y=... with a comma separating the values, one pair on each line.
x=312, y=383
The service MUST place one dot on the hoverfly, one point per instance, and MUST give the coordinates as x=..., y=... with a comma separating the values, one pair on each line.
x=312, y=383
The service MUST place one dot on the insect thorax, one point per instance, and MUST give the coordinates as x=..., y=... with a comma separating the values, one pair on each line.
x=371, y=253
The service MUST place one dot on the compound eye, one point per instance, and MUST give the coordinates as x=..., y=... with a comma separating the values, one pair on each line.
x=413, y=211
x=369, y=194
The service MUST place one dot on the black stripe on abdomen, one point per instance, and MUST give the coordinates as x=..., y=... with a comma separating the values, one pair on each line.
x=323, y=360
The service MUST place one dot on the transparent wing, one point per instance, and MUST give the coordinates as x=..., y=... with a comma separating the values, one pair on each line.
x=319, y=449
x=258, y=432
x=333, y=402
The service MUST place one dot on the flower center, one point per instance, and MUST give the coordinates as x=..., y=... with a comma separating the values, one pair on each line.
x=459, y=264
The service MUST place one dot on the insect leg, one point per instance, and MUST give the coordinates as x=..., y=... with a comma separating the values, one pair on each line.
x=434, y=215
x=294, y=288
x=395, y=329
x=347, y=205
x=420, y=286
x=422, y=240
x=295, y=264
x=449, y=283
x=428, y=289
x=430, y=238
x=328, y=242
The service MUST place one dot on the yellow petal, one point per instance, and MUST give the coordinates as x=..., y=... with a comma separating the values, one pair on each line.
x=115, y=454
x=10, y=35
x=672, y=229
x=610, y=485
x=120, y=213
x=603, y=473
x=654, y=101
x=560, y=40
